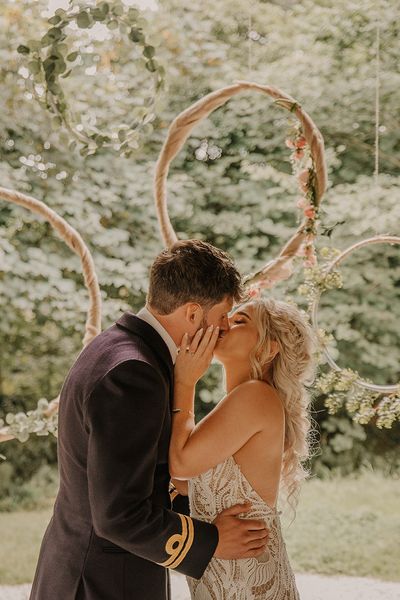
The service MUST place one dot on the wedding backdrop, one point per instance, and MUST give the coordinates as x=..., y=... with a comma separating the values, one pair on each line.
x=269, y=129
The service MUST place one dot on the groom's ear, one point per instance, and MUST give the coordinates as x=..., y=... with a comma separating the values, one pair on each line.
x=194, y=314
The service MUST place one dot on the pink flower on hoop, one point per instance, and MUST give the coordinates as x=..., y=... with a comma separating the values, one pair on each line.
x=301, y=142
x=298, y=154
x=309, y=211
x=301, y=203
x=290, y=144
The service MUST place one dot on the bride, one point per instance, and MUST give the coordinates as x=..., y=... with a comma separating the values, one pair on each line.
x=251, y=444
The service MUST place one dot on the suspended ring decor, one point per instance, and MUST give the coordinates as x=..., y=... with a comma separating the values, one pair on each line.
x=308, y=161
x=72, y=238
x=364, y=400
x=372, y=387
x=52, y=59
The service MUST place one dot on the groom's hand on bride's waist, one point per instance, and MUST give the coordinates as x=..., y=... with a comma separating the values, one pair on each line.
x=240, y=538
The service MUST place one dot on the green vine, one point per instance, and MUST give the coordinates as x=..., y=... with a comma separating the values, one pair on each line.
x=317, y=279
x=340, y=387
x=53, y=58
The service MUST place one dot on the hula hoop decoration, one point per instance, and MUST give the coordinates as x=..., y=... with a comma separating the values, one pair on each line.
x=52, y=58
x=308, y=161
x=363, y=399
x=43, y=419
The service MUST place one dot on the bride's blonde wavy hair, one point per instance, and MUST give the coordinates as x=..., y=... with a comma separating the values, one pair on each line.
x=289, y=372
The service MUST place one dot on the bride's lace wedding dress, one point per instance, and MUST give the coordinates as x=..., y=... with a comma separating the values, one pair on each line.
x=268, y=577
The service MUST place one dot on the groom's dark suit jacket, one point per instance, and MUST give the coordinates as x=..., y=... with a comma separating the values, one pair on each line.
x=113, y=531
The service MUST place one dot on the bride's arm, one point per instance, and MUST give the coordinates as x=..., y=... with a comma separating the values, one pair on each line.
x=237, y=418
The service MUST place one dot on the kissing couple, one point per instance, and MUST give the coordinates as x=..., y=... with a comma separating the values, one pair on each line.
x=127, y=425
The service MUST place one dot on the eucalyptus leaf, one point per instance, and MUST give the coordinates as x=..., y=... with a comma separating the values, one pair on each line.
x=122, y=135
x=49, y=66
x=136, y=35
x=61, y=105
x=46, y=40
x=133, y=13
x=52, y=86
x=54, y=33
x=23, y=49
x=83, y=20
x=34, y=67
x=149, y=51
x=151, y=65
x=104, y=7
x=72, y=56
x=54, y=20
x=117, y=9
x=98, y=14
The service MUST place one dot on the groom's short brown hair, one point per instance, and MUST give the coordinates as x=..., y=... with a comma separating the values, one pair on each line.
x=192, y=271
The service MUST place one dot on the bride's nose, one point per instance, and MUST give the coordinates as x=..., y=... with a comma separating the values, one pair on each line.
x=228, y=323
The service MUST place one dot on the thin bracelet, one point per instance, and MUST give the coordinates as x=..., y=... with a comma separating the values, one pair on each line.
x=178, y=410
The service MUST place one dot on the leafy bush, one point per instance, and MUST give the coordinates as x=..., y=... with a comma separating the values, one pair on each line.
x=38, y=492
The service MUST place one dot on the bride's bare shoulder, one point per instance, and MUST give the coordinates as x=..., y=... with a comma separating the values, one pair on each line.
x=259, y=396
x=256, y=388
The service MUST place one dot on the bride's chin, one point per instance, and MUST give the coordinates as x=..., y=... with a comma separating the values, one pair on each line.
x=219, y=353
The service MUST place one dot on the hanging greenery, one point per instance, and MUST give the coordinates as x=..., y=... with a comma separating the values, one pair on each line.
x=364, y=400
x=54, y=57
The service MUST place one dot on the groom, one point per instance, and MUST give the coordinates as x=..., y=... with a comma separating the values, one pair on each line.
x=114, y=533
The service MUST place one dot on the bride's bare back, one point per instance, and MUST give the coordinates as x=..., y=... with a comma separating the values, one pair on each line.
x=260, y=459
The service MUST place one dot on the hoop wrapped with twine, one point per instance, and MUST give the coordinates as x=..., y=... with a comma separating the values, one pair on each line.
x=178, y=133
x=72, y=238
x=379, y=239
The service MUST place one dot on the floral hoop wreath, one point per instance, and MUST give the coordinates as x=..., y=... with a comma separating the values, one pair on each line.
x=308, y=161
x=380, y=389
x=42, y=419
x=47, y=68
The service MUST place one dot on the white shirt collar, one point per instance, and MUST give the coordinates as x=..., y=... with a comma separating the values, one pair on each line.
x=147, y=316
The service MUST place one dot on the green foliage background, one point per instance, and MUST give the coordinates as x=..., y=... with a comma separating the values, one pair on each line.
x=323, y=54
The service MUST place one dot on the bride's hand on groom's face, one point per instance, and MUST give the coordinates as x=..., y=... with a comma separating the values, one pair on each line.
x=195, y=357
